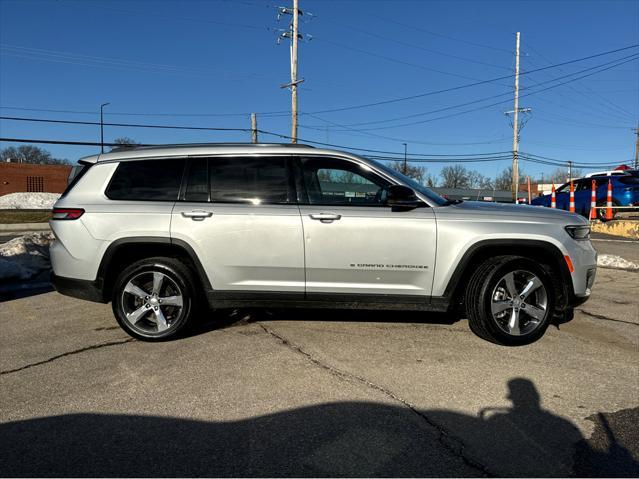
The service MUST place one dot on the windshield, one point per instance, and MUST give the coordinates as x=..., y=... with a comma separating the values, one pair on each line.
x=424, y=190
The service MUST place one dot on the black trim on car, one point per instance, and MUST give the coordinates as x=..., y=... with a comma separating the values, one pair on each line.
x=78, y=288
x=283, y=299
x=142, y=240
x=475, y=251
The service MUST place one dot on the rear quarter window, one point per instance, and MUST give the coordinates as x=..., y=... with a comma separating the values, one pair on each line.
x=629, y=180
x=147, y=180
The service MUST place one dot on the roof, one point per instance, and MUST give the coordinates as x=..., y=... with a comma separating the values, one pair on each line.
x=194, y=149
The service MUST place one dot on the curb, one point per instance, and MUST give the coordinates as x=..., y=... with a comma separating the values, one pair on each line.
x=18, y=227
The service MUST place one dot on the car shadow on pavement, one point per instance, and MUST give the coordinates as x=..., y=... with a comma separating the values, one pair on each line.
x=332, y=439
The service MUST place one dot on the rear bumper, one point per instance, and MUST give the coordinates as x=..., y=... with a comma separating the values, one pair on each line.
x=78, y=288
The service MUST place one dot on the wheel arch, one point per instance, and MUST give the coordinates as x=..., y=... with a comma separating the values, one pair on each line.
x=124, y=251
x=543, y=251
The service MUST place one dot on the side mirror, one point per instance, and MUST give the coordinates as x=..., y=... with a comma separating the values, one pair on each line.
x=402, y=197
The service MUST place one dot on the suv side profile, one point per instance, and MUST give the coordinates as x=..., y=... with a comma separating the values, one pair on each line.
x=160, y=231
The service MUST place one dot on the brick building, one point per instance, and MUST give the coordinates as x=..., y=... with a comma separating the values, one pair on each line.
x=20, y=177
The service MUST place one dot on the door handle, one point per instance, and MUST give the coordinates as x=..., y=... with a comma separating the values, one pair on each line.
x=325, y=217
x=197, y=215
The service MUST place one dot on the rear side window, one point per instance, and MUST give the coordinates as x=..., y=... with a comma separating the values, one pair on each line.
x=629, y=180
x=253, y=180
x=77, y=172
x=147, y=180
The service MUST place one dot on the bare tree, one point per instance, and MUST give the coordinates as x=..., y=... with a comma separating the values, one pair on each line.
x=418, y=173
x=504, y=180
x=124, y=141
x=431, y=180
x=561, y=175
x=30, y=154
x=454, y=176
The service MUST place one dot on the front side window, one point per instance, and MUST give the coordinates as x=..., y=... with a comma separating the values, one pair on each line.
x=330, y=181
x=251, y=180
x=147, y=180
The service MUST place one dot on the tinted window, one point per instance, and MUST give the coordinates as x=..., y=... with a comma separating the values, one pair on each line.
x=197, y=181
x=157, y=180
x=629, y=180
x=77, y=172
x=332, y=181
x=255, y=180
x=583, y=185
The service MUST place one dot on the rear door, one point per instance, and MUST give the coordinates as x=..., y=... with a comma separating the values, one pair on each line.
x=354, y=242
x=240, y=215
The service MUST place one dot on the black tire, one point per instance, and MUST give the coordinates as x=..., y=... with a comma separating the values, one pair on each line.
x=178, y=281
x=479, y=297
x=601, y=213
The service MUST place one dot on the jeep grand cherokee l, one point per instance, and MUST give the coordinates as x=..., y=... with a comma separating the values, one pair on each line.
x=159, y=230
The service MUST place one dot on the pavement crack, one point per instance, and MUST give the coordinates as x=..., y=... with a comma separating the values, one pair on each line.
x=452, y=443
x=69, y=353
x=605, y=318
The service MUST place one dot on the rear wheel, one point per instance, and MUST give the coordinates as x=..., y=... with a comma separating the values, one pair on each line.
x=510, y=300
x=153, y=298
x=601, y=212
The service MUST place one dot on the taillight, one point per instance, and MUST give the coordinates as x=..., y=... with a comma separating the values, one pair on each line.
x=67, y=213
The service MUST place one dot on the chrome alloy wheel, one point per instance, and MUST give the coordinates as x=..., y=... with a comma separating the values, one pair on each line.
x=152, y=302
x=519, y=302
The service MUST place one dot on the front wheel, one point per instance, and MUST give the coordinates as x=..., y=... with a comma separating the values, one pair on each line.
x=510, y=300
x=153, y=298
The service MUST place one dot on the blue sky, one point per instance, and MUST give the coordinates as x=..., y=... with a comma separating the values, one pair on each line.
x=218, y=61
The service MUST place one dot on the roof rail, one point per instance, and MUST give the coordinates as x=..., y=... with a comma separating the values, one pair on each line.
x=187, y=145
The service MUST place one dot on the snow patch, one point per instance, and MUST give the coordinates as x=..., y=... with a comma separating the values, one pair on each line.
x=25, y=257
x=27, y=201
x=616, y=262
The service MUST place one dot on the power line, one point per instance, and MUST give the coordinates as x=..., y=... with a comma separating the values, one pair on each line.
x=441, y=35
x=343, y=147
x=128, y=125
x=85, y=112
x=415, y=158
x=468, y=85
x=62, y=142
x=354, y=107
x=611, y=105
x=599, y=67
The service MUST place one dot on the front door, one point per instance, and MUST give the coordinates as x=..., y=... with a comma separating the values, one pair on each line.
x=240, y=216
x=354, y=242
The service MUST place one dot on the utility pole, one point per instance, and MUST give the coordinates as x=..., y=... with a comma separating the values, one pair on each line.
x=294, y=36
x=294, y=72
x=569, y=171
x=102, y=126
x=637, y=147
x=405, y=159
x=254, y=127
x=515, y=184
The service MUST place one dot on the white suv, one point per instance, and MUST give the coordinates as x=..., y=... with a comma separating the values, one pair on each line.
x=161, y=230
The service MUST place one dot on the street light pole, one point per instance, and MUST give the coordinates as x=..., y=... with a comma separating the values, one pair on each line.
x=102, y=126
x=405, y=161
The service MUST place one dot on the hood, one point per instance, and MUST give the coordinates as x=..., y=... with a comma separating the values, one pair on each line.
x=537, y=213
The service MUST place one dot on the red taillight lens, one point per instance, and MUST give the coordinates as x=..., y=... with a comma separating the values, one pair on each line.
x=67, y=213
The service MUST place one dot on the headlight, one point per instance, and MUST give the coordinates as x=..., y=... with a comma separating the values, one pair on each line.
x=580, y=233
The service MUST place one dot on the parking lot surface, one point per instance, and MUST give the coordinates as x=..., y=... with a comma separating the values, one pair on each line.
x=319, y=393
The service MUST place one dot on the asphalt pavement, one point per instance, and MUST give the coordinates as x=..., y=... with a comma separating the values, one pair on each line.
x=319, y=393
